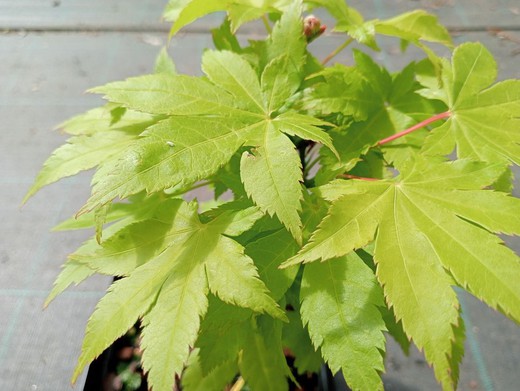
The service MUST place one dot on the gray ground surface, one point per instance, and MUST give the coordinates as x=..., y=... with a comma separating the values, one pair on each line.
x=51, y=51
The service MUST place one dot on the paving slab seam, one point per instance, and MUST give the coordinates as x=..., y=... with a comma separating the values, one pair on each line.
x=165, y=30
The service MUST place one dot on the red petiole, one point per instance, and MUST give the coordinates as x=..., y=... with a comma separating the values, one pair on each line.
x=420, y=125
x=349, y=176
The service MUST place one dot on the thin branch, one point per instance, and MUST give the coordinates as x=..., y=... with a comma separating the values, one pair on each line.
x=266, y=24
x=420, y=125
x=336, y=51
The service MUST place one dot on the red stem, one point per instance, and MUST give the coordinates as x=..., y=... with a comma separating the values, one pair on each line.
x=420, y=125
x=349, y=176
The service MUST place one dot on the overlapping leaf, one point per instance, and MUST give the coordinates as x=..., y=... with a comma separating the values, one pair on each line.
x=411, y=27
x=485, y=118
x=263, y=364
x=239, y=11
x=431, y=220
x=380, y=105
x=348, y=327
x=178, y=272
x=209, y=120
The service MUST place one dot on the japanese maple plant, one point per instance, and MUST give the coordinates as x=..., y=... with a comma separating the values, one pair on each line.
x=349, y=201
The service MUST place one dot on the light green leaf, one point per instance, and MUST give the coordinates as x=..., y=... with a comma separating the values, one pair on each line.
x=170, y=94
x=109, y=117
x=287, y=38
x=268, y=252
x=348, y=327
x=233, y=277
x=173, y=9
x=222, y=333
x=140, y=242
x=262, y=364
x=427, y=205
x=395, y=329
x=224, y=39
x=187, y=12
x=235, y=217
x=234, y=74
x=164, y=63
x=72, y=272
x=483, y=124
x=139, y=209
x=100, y=215
x=271, y=175
x=194, y=378
x=350, y=224
x=119, y=309
x=343, y=90
x=278, y=83
x=305, y=127
x=79, y=154
x=296, y=338
x=174, y=152
x=415, y=26
x=418, y=289
x=171, y=327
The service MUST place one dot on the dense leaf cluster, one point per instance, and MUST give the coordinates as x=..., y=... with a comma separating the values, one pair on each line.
x=397, y=219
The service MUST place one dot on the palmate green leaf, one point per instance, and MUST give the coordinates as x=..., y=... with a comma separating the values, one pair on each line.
x=268, y=252
x=170, y=328
x=188, y=11
x=173, y=9
x=119, y=309
x=296, y=338
x=271, y=175
x=234, y=74
x=81, y=153
x=139, y=208
x=109, y=117
x=178, y=274
x=414, y=26
x=224, y=39
x=210, y=118
x=278, y=86
x=262, y=363
x=76, y=271
x=344, y=90
x=222, y=333
x=348, y=327
x=239, y=11
x=176, y=151
x=164, y=63
x=390, y=104
x=72, y=272
x=484, y=121
x=163, y=93
x=287, y=38
x=235, y=217
x=395, y=329
x=194, y=378
x=424, y=287
x=137, y=243
x=233, y=277
x=305, y=127
x=420, y=219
